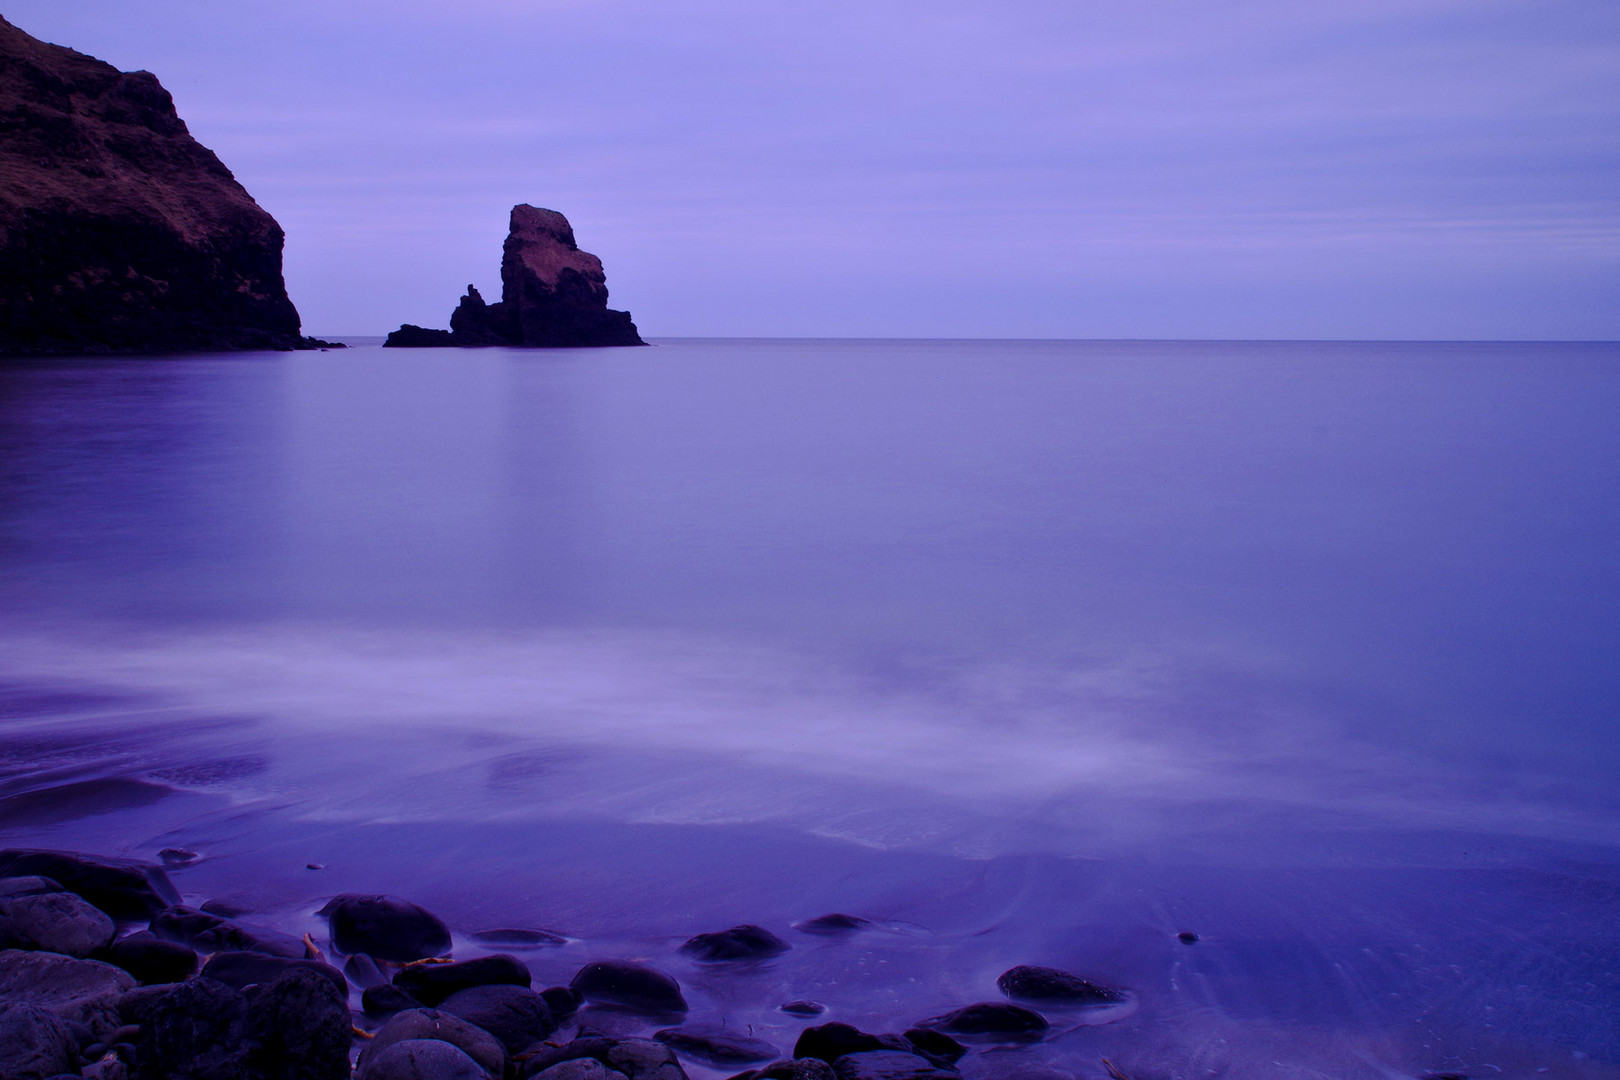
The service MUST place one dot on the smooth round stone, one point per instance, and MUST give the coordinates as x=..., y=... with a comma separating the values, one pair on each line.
x=212, y=933
x=794, y=1069
x=832, y=925
x=829, y=1042
x=386, y=999
x=936, y=1044
x=432, y=983
x=564, y=1001
x=1028, y=982
x=746, y=942
x=888, y=1065
x=803, y=1008
x=385, y=927
x=422, y=1059
x=58, y=922
x=579, y=1069
x=152, y=960
x=242, y=969
x=631, y=986
x=470, y=1039
x=990, y=1018
x=515, y=1015
x=717, y=1046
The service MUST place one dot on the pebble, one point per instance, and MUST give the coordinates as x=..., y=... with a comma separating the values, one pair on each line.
x=634, y=1059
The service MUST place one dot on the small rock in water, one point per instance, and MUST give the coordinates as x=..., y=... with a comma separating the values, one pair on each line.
x=386, y=999
x=889, y=1065
x=631, y=986
x=829, y=1042
x=1187, y=937
x=123, y=888
x=422, y=1059
x=385, y=927
x=35, y=1042
x=746, y=942
x=432, y=983
x=803, y=1008
x=471, y=1040
x=513, y=938
x=832, y=925
x=58, y=922
x=243, y=969
x=76, y=991
x=314, y=866
x=515, y=1015
x=1030, y=983
x=152, y=960
x=173, y=856
x=936, y=1044
x=795, y=1069
x=564, y=1001
x=990, y=1018
x=226, y=908
x=716, y=1045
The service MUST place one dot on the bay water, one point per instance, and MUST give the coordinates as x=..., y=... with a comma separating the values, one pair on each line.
x=1029, y=652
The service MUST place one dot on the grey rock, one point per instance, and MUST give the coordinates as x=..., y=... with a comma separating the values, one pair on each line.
x=385, y=927
x=77, y=991
x=422, y=1059
x=123, y=888
x=888, y=1065
x=628, y=985
x=635, y=1059
x=471, y=1040
x=580, y=1069
x=35, y=1043
x=59, y=922
x=432, y=983
x=715, y=1045
x=515, y=1015
x=1027, y=982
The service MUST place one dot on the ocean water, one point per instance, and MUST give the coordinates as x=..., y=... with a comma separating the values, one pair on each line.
x=1030, y=652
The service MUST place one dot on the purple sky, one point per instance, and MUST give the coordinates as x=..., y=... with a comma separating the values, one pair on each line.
x=930, y=168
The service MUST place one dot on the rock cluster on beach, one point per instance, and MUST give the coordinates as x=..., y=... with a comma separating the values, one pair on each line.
x=553, y=295
x=119, y=232
x=106, y=975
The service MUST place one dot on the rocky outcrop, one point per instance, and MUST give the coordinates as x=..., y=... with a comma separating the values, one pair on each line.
x=119, y=232
x=553, y=295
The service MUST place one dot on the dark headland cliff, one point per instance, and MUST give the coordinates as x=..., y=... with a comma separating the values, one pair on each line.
x=119, y=232
x=553, y=295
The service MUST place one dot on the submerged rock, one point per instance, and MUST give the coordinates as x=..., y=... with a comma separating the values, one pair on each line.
x=385, y=927
x=993, y=1018
x=716, y=1045
x=119, y=232
x=832, y=925
x=123, y=888
x=1028, y=982
x=803, y=1008
x=208, y=933
x=746, y=942
x=515, y=938
x=553, y=295
x=628, y=985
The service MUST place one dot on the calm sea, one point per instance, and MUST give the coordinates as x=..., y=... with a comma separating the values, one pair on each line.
x=1032, y=652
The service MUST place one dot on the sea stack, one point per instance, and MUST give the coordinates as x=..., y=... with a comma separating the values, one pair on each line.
x=119, y=232
x=553, y=296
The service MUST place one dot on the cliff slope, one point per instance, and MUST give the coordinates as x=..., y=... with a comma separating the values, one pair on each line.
x=118, y=231
x=553, y=295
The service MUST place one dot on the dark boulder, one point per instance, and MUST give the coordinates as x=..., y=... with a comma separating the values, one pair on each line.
x=889, y=1065
x=301, y=1026
x=211, y=933
x=385, y=927
x=832, y=925
x=515, y=1015
x=470, y=1039
x=244, y=969
x=829, y=1042
x=77, y=991
x=422, y=1059
x=631, y=986
x=991, y=1018
x=795, y=1069
x=634, y=1059
x=386, y=999
x=119, y=232
x=553, y=295
x=362, y=971
x=564, y=1001
x=123, y=888
x=35, y=1043
x=432, y=983
x=516, y=938
x=59, y=922
x=716, y=1046
x=197, y=1029
x=746, y=942
x=151, y=959
x=1027, y=982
